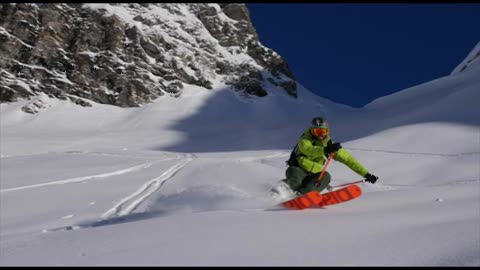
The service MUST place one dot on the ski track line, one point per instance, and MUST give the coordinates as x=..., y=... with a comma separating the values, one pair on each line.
x=84, y=178
x=130, y=203
x=415, y=153
x=274, y=155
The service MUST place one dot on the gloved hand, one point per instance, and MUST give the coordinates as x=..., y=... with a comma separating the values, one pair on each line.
x=371, y=178
x=332, y=147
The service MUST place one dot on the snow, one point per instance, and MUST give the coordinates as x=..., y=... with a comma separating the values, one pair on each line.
x=7, y=34
x=183, y=181
x=470, y=60
x=90, y=54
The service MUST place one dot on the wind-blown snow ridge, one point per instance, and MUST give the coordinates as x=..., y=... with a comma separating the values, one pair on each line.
x=84, y=178
x=470, y=60
x=130, y=203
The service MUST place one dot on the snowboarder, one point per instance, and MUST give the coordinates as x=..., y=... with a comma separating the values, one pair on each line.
x=308, y=159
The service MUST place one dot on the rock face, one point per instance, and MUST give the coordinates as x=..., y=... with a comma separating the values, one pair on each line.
x=130, y=54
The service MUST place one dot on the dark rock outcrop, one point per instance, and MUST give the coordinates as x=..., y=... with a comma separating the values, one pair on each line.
x=130, y=54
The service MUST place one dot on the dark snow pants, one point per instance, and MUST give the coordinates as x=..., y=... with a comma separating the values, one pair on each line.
x=302, y=181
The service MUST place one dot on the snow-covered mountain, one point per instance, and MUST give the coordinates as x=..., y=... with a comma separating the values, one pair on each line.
x=131, y=54
x=182, y=181
x=470, y=60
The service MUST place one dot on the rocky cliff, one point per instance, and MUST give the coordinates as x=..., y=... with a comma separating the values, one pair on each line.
x=130, y=54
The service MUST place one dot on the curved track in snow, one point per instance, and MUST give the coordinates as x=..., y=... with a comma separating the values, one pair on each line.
x=130, y=203
x=83, y=178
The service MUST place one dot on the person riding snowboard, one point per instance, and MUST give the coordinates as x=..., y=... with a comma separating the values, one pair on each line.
x=308, y=159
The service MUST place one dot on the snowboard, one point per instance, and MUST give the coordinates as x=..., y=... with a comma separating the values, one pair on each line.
x=315, y=199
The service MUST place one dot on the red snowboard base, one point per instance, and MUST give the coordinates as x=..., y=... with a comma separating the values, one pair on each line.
x=315, y=199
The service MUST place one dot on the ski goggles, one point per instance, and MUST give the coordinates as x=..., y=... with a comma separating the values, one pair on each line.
x=320, y=132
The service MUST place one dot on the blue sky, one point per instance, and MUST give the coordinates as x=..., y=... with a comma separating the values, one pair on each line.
x=354, y=53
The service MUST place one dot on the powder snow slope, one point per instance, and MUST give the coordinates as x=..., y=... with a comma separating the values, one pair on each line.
x=183, y=181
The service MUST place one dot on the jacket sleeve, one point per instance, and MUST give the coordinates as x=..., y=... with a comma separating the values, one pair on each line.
x=346, y=158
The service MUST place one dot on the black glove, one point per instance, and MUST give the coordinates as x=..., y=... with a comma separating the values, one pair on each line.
x=371, y=178
x=332, y=147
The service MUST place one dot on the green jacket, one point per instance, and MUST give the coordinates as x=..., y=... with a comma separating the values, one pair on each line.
x=311, y=155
